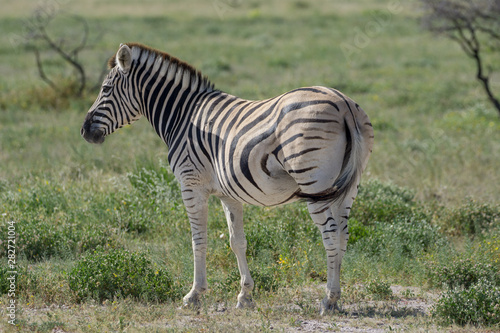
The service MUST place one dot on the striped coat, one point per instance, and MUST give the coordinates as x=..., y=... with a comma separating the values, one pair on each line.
x=309, y=143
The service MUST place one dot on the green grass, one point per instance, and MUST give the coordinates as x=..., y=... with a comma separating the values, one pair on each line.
x=427, y=212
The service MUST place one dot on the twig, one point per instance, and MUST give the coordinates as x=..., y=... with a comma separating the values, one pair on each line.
x=66, y=57
x=41, y=72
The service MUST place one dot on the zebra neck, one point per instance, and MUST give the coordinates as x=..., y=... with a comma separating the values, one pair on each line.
x=200, y=129
x=168, y=100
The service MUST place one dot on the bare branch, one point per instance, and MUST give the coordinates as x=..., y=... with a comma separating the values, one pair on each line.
x=471, y=24
x=41, y=72
x=67, y=48
x=66, y=57
x=85, y=35
x=470, y=46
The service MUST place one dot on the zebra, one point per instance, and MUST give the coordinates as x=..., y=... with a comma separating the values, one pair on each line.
x=309, y=144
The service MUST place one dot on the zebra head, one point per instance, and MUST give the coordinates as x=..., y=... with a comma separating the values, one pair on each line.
x=114, y=107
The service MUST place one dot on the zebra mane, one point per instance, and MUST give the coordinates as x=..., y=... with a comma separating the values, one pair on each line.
x=143, y=53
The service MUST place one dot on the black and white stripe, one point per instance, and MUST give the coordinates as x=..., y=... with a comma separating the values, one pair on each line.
x=309, y=143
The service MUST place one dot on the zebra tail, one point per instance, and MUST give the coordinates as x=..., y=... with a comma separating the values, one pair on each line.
x=351, y=170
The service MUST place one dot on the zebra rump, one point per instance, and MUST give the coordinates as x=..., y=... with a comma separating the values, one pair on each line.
x=349, y=174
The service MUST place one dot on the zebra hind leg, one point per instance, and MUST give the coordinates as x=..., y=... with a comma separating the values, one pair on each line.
x=334, y=231
x=238, y=242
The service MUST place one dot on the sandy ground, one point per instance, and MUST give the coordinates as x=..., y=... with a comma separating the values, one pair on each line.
x=408, y=310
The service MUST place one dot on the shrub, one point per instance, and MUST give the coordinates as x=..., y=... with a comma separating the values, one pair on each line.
x=120, y=273
x=487, y=248
x=91, y=238
x=155, y=199
x=39, y=239
x=403, y=236
x=379, y=290
x=42, y=97
x=463, y=273
x=268, y=278
x=469, y=219
x=381, y=202
x=477, y=305
x=157, y=183
x=279, y=230
x=357, y=231
x=48, y=199
x=55, y=222
x=262, y=237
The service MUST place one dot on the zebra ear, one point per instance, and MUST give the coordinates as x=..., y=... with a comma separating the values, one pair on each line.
x=124, y=58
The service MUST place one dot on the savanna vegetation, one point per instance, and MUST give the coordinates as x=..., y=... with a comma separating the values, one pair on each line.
x=102, y=239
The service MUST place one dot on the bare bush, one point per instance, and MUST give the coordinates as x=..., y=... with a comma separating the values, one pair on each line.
x=56, y=50
x=474, y=25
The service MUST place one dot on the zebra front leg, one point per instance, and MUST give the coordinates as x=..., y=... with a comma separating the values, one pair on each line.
x=234, y=215
x=197, y=210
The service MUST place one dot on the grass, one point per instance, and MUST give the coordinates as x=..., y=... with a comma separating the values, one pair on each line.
x=427, y=212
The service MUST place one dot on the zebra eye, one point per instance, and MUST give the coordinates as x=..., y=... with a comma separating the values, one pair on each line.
x=106, y=89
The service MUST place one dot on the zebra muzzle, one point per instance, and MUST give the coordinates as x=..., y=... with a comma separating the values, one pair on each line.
x=91, y=133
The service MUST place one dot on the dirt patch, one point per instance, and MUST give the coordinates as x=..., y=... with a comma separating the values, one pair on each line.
x=408, y=307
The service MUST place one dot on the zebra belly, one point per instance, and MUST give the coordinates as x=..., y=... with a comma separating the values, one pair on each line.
x=268, y=184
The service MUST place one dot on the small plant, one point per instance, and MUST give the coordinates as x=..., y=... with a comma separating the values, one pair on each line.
x=377, y=201
x=267, y=278
x=50, y=226
x=406, y=237
x=357, y=231
x=477, y=305
x=39, y=239
x=463, y=273
x=408, y=293
x=471, y=218
x=157, y=183
x=379, y=290
x=120, y=273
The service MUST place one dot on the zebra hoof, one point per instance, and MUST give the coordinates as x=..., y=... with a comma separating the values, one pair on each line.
x=245, y=303
x=191, y=305
x=328, y=307
x=191, y=301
